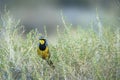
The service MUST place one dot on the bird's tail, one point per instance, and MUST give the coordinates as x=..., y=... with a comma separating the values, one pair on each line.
x=50, y=63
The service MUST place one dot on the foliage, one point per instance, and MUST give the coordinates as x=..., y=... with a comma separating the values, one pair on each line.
x=77, y=55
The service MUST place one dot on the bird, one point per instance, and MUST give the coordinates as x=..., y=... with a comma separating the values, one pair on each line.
x=43, y=51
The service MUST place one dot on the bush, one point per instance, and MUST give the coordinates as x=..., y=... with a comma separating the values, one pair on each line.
x=77, y=55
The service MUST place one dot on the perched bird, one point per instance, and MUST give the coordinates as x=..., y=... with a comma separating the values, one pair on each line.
x=43, y=51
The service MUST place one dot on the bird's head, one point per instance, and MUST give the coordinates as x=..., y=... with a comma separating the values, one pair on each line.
x=42, y=41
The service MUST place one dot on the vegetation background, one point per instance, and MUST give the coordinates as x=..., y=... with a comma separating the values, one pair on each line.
x=89, y=50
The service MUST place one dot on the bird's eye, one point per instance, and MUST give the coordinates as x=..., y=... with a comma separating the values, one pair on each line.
x=42, y=42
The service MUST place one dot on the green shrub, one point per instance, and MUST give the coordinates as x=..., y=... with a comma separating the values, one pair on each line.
x=78, y=54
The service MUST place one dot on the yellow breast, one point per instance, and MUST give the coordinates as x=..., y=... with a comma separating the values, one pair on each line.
x=44, y=54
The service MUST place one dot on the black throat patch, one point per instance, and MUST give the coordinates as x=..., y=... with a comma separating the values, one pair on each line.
x=42, y=47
